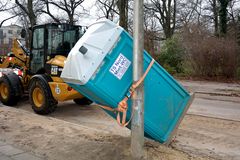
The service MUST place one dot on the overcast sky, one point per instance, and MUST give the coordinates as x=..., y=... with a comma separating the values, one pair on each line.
x=85, y=21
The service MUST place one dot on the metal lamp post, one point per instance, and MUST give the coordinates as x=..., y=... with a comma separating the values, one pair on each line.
x=137, y=126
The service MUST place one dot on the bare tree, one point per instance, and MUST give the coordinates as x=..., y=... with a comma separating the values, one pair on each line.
x=232, y=11
x=187, y=12
x=30, y=8
x=1, y=23
x=123, y=13
x=108, y=8
x=165, y=12
x=28, y=12
x=215, y=10
x=70, y=7
x=47, y=11
x=4, y=7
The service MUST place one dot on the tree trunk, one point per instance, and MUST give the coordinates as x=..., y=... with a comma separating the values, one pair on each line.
x=123, y=13
x=238, y=33
x=28, y=10
x=165, y=12
x=223, y=16
x=32, y=16
x=215, y=15
x=71, y=18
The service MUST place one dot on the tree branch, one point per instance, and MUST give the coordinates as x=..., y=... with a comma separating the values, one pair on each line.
x=7, y=20
x=22, y=7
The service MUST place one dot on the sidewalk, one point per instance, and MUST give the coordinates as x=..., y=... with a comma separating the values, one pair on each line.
x=212, y=88
x=9, y=152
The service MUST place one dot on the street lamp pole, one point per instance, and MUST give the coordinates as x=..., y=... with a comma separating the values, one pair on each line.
x=137, y=125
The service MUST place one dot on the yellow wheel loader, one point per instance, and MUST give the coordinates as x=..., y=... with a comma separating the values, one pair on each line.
x=37, y=72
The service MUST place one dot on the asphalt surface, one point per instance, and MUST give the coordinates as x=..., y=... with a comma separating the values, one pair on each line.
x=217, y=100
x=216, y=108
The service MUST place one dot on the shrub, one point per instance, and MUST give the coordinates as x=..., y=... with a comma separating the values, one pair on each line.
x=210, y=56
x=171, y=56
x=170, y=69
x=238, y=73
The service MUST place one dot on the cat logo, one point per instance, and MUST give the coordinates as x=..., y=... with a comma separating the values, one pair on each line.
x=54, y=70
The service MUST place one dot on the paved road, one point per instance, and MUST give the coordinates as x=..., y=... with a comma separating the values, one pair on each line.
x=213, y=105
x=216, y=108
x=218, y=100
x=222, y=107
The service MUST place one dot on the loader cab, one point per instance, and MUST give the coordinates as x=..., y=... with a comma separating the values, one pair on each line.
x=50, y=40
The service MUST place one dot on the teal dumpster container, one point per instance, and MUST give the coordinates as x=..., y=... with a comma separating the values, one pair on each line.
x=100, y=67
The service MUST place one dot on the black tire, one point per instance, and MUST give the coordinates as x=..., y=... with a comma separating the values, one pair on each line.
x=48, y=104
x=83, y=101
x=9, y=97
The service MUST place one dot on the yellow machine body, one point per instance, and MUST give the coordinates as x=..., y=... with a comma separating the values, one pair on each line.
x=19, y=58
x=57, y=61
x=61, y=91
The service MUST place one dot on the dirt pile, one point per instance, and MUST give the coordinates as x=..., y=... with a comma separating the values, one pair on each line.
x=60, y=140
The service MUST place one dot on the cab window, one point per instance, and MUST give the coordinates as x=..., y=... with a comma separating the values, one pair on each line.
x=38, y=38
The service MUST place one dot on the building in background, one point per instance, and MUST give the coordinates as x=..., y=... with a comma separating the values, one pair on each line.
x=7, y=34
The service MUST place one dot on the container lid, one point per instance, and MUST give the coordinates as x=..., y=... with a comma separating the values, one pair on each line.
x=89, y=52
